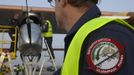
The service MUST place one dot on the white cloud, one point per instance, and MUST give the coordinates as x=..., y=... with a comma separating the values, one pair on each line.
x=117, y=5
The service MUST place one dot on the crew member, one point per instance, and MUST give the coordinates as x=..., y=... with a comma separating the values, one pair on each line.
x=48, y=38
x=14, y=21
x=94, y=45
x=48, y=33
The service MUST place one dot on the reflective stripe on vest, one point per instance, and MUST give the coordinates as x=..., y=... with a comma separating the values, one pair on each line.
x=71, y=62
x=49, y=32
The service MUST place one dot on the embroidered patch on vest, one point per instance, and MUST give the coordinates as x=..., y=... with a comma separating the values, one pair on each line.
x=105, y=56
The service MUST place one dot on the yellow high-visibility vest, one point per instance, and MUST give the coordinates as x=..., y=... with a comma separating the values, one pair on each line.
x=49, y=32
x=71, y=62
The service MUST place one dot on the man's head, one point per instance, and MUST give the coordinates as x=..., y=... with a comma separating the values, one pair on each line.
x=79, y=3
x=16, y=16
x=69, y=11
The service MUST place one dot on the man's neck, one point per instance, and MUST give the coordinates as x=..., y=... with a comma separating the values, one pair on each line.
x=73, y=15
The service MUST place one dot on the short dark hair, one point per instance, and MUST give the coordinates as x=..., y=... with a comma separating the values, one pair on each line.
x=79, y=3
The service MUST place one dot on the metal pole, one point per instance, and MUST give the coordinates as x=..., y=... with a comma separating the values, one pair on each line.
x=53, y=62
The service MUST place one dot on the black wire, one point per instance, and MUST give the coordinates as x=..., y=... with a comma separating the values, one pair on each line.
x=49, y=1
x=27, y=11
x=28, y=22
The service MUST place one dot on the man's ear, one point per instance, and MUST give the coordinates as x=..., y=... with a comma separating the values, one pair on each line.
x=63, y=2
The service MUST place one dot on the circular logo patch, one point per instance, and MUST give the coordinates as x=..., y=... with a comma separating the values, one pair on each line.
x=105, y=56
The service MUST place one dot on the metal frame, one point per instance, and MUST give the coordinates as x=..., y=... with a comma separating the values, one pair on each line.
x=5, y=53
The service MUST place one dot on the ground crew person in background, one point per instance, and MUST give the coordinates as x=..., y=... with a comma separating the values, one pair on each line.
x=94, y=45
x=131, y=20
x=48, y=33
x=14, y=21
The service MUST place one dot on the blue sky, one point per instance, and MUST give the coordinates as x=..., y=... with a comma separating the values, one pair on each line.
x=105, y=5
x=36, y=3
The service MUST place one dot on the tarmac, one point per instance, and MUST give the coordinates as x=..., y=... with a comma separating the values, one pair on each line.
x=58, y=61
x=44, y=72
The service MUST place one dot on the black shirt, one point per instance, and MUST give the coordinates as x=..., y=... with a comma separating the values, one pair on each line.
x=13, y=22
